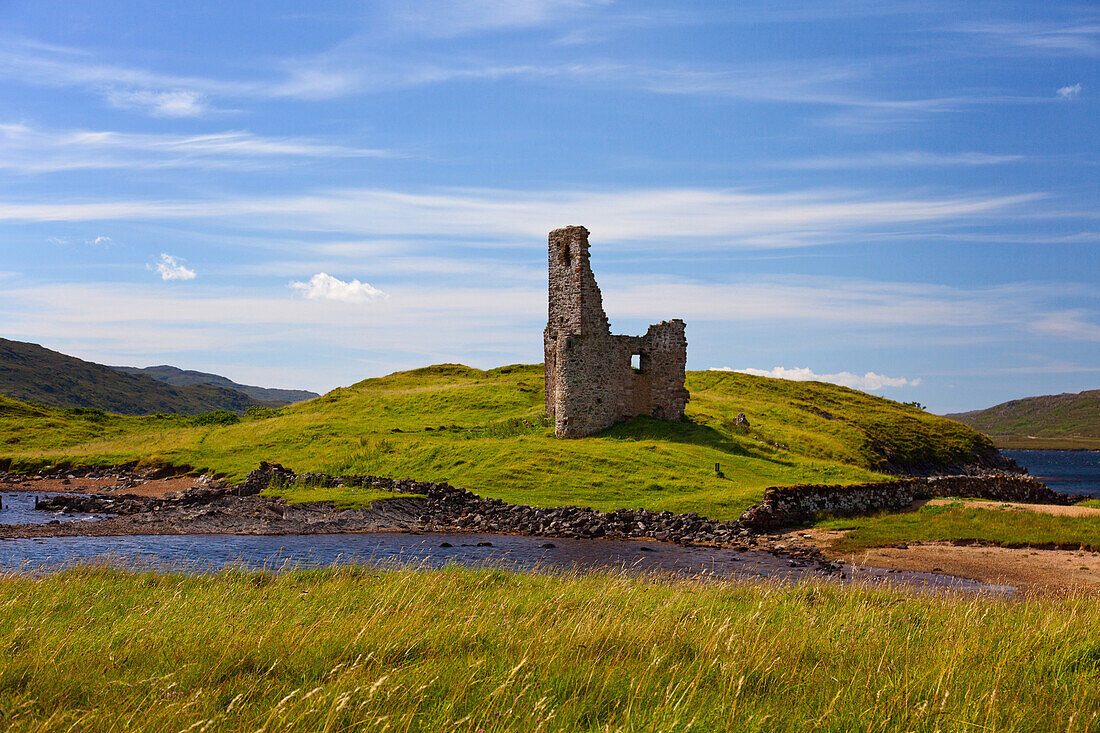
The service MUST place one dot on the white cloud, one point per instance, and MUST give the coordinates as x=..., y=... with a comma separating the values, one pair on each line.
x=1069, y=92
x=899, y=159
x=449, y=18
x=1072, y=325
x=721, y=218
x=160, y=104
x=869, y=382
x=1082, y=39
x=172, y=268
x=100, y=241
x=323, y=286
x=27, y=149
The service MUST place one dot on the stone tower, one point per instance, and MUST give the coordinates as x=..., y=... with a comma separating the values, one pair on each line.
x=590, y=381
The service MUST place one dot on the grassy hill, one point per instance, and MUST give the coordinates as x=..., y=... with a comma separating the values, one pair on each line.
x=187, y=377
x=32, y=373
x=485, y=430
x=1050, y=421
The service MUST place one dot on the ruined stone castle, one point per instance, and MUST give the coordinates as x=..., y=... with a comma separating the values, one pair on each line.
x=591, y=378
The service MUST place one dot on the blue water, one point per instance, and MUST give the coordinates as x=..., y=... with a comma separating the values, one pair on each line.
x=205, y=553
x=1064, y=471
x=17, y=507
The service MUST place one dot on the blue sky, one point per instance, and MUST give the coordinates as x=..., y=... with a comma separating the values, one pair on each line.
x=898, y=196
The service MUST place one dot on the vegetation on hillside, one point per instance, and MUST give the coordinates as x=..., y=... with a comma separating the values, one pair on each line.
x=961, y=522
x=1052, y=421
x=187, y=377
x=488, y=650
x=485, y=430
x=31, y=373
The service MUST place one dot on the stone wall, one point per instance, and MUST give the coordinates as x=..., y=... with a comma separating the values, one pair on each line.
x=791, y=505
x=590, y=382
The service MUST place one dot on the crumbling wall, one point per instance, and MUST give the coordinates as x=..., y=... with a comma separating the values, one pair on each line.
x=590, y=382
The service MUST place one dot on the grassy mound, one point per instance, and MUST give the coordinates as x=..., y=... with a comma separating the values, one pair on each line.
x=485, y=430
x=486, y=650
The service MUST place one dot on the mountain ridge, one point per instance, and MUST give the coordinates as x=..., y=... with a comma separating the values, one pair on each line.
x=32, y=373
x=1067, y=420
x=189, y=377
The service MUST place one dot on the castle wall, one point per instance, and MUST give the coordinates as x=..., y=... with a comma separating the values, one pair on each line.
x=590, y=383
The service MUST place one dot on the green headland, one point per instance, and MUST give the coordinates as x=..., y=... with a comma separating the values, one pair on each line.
x=486, y=431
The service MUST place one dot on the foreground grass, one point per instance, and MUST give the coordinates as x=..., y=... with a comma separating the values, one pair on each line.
x=487, y=650
x=485, y=430
x=963, y=523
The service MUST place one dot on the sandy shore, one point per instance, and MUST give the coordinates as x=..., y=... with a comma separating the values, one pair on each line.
x=1030, y=569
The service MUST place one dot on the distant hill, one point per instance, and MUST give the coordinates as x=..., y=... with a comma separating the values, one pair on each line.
x=1050, y=421
x=32, y=373
x=186, y=378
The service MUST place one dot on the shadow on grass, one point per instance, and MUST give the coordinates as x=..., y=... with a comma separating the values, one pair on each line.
x=687, y=432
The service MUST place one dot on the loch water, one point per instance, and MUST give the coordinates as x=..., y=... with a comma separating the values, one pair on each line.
x=206, y=553
x=1064, y=471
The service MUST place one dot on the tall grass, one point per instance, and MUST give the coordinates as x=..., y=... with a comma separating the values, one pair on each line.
x=488, y=650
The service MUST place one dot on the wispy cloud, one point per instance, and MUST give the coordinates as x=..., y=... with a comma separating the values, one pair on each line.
x=179, y=103
x=869, y=382
x=172, y=268
x=450, y=18
x=1073, y=325
x=155, y=93
x=358, y=66
x=27, y=149
x=899, y=159
x=487, y=321
x=709, y=217
x=101, y=241
x=1069, y=92
x=1074, y=39
x=323, y=286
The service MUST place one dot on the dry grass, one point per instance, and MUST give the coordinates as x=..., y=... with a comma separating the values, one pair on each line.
x=487, y=650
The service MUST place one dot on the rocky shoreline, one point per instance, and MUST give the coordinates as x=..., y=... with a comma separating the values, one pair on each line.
x=213, y=506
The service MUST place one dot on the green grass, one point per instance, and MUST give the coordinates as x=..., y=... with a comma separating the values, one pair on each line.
x=1092, y=503
x=959, y=522
x=489, y=650
x=486, y=431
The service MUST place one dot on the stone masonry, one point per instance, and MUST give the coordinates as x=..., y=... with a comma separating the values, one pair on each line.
x=590, y=381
